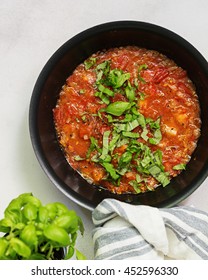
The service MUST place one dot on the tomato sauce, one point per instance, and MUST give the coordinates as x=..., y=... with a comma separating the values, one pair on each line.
x=128, y=119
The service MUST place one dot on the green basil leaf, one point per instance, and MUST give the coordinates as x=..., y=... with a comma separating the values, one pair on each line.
x=142, y=67
x=57, y=234
x=114, y=141
x=30, y=212
x=102, y=69
x=3, y=248
x=18, y=226
x=105, y=145
x=103, y=97
x=43, y=215
x=132, y=125
x=28, y=235
x=135, y=185
x=180, y=166
x=158, y=159
x=125, y=159
x=117, y=78
x=105, y=90
x=93, y=146
x=111, y=170
x=153, y=124
x=78, y=158
x=117, y=108
x=30, y=199
x=20, y=247
x=14, y=215
x=89, y=62
x=126, y=126
x=61, y=208
x=104, y=66
x=157, y=137
x=144, y=134
x=130, y=92
x=146, y=161
x=159, y=175
x=68, y=221
x=130, y=134
x=6, y=225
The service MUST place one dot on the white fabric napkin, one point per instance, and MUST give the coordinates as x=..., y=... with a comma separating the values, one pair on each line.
x=124, y=231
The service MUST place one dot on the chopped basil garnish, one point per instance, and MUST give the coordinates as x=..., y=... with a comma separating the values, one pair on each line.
x=89, y=62
x=111, y=170
x=159, y=175
x=130, y=92
x=102, y=69
x=117, y=108
x=103, y=97
x=125, y=159
x=117, y=78
x=180, y=166
x=105, y=90
x=141, y=67
x=130, y=134
x=93, y=146
x=128, y=125
x=136, y=183
x=105, y=147
x=157, y=137
x=78, y=158
x=82, y=91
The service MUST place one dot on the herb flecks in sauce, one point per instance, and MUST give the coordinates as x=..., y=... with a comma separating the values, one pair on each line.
x=128, y=119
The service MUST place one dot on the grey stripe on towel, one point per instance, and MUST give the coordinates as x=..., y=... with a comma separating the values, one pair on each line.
x=124, y=231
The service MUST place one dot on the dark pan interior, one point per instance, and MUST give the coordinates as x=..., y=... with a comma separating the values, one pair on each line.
x=62, y=64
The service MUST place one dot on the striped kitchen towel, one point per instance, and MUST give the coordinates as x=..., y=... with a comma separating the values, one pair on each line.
x=124, y=231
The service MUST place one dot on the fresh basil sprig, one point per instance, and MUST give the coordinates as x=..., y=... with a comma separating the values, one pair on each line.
x=35, y=231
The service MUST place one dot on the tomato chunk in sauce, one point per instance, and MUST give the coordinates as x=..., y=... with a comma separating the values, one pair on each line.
x=128, y=119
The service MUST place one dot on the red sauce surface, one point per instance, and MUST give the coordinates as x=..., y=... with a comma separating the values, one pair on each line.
x=162, y=91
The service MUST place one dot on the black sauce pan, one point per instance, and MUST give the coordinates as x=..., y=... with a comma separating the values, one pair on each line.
x=62, y=64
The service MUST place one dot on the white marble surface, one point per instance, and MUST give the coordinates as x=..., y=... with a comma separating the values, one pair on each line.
x=30, y=32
